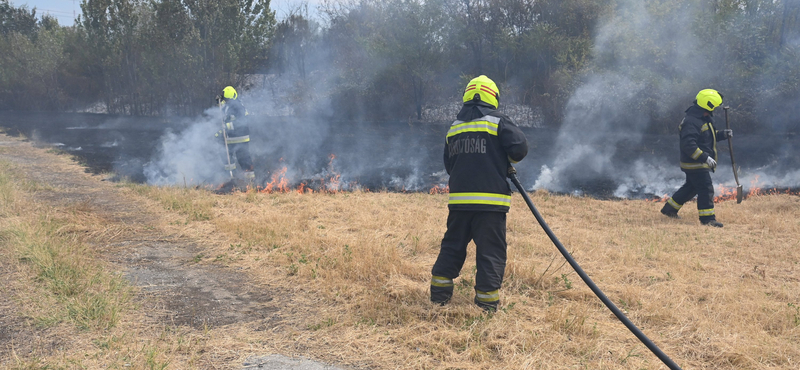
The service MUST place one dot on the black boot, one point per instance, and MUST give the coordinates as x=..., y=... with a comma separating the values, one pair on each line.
x=669, y=211
x=487, y=306
x=714, y=223
x=441, y=294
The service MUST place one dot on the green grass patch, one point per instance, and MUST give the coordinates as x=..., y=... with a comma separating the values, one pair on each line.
x=73, y=287
x=66, y=283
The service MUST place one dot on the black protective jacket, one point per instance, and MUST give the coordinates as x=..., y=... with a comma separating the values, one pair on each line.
x=698, y=140
x=236, y=121
x=479, y=148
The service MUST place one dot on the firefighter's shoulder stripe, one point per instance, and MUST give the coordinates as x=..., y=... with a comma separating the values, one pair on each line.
x=480, y=198
x=486, y=124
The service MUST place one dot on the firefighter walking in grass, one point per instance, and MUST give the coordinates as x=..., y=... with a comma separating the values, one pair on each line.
x=479, y=148
x=235, y=131
x=699, y=157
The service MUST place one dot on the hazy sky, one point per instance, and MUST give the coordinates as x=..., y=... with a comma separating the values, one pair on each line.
x=66, y=10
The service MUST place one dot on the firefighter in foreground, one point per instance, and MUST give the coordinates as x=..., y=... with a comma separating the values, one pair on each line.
x=699, y=157
x=235, y=131
x=479, y=148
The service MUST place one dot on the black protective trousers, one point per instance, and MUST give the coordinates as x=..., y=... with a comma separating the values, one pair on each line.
x=488, y=230
x=697, y=183
x=242, y=153
x=239, y=152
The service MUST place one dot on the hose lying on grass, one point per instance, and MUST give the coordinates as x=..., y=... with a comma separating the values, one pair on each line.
x=512, y=174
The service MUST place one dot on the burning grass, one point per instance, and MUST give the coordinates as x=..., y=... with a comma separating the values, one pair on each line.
x=360, y=263
x=724, y=193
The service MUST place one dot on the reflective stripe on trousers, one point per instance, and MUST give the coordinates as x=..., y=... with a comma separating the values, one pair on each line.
x=442, y=282
x=480, y=198
x=487, y=297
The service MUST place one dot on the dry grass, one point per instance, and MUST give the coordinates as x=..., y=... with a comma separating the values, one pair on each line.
x=70, y=310
x=710, y=298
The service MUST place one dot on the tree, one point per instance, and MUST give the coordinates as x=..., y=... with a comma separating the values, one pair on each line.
x=410, y=42
x=19, y=20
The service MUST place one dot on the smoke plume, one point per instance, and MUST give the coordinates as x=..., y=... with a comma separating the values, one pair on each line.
x=651, y=61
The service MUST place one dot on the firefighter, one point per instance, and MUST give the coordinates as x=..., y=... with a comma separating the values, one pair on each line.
x=235, y=126
x=479, y=148
x=698, y=147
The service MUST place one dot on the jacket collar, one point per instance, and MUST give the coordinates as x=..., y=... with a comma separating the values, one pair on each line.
x=697, y=112
x=472, y=110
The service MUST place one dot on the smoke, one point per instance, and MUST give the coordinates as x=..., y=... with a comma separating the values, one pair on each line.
x=600, y=141
x=597, y=121
x=650, y=57
x=193, y=156
x=646, y=60
x=299, y=133
x=315, y=149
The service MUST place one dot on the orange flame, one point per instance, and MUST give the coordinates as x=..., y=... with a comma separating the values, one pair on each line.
x=729, y=193
x=438, y=189
x=278, y=183
x=725, y=193
x=662, y=199
x=333, y=184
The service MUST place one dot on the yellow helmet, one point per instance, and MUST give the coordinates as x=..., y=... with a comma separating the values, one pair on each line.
x=484, y=89
x=229, y=93
x=709, y=99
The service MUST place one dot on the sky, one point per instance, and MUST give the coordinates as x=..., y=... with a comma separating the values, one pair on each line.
x=66, y=10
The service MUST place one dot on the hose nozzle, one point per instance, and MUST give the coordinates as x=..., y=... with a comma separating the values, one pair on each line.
x=511, y=171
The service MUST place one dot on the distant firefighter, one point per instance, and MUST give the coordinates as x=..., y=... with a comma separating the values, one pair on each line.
x=235, y=132
x=698, y=147
x=479, y=148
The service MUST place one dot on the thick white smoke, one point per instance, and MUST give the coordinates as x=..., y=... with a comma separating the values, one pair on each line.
x=594, y=126
x=294, y=148
x=602, y=145
x=190, y=157
x=650, y=61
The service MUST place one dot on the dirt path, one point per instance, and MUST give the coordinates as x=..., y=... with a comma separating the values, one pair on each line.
x=175, y=288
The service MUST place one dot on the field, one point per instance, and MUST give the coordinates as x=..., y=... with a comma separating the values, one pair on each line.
x=98, y=274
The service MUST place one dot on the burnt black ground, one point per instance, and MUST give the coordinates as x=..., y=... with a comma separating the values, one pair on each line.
x=377, y=156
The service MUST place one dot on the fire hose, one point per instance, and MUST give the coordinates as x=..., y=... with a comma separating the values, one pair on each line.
x=512, y=174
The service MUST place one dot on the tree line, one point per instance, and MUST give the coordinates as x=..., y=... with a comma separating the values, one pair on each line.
x=393, y=59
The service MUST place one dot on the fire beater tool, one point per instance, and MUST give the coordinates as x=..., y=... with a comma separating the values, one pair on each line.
x=739, y=194
x=512, y=174
x=229, y=167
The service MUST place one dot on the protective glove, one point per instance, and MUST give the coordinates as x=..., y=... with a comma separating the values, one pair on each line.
x=728, y=133
x=711, y=162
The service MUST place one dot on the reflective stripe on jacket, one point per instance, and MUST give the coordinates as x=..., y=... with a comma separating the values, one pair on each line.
x=478, y=149
x=236, y=121
x=698, y=140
